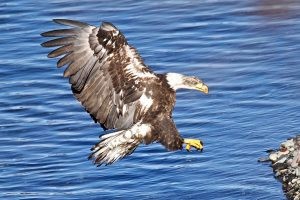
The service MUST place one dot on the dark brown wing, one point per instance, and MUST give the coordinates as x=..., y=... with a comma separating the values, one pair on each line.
x=107, y=75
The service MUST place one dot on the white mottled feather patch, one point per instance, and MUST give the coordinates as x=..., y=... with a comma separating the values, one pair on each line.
x=145, y=102
x=114, y=146
x=136, y=67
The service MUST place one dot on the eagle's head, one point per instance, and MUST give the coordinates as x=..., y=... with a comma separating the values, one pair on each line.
x=178, y=81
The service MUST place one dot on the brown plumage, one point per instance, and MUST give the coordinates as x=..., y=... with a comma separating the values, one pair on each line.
x=117, y=89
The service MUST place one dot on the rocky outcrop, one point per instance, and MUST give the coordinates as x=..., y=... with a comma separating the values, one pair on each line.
x=286, y=166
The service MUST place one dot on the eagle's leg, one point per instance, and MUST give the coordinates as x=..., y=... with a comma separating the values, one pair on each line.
x=197, y=144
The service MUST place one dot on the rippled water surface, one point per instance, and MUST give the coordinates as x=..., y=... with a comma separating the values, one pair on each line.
x=248, y=52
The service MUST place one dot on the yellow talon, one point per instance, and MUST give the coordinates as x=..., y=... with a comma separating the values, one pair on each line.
x=197, y=144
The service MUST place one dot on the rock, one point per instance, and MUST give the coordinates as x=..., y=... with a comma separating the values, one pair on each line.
x=297, y=141
x=282, y=159
x=279, y=166
x=273, y=157
x=286, y=166
x=297, y=172
x=296, y=159
x=263, y=160
x=288, y=143
x=283, y=153
x=278, y=173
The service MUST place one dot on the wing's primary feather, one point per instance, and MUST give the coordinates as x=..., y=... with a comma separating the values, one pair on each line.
x=107, y=75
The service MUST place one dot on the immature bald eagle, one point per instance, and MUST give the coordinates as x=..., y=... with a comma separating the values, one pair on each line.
x=118, y=90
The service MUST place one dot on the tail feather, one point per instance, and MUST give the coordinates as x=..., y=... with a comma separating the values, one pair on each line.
x=113, y=147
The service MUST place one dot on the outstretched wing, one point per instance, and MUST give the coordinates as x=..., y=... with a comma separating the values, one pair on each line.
x=107, y=75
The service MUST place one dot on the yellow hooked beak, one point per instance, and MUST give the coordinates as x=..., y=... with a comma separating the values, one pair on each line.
x=202, y=88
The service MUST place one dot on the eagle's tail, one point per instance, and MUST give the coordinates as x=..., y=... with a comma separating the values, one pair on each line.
x=117, y=145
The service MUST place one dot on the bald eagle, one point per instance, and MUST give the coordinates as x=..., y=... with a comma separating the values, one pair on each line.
x=119, y=90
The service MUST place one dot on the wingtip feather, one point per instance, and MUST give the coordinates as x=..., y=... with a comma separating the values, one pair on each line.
x=43, y=34
x=69, y=22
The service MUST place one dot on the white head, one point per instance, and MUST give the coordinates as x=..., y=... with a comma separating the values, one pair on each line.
x=179, y=81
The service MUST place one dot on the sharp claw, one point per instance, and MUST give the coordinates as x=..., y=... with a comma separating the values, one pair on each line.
x=200, y=149
x=188, y=147
x=201, y=143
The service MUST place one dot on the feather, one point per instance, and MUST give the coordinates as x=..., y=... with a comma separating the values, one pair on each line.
x=61, y=50
x=117, y=145
x=59, y=42
x=71, y=23
x=77, y=64
x=168, y=134
x=61, y=32
x=81, y=76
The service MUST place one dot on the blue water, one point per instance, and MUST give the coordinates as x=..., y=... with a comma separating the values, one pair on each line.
x=248, y=52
